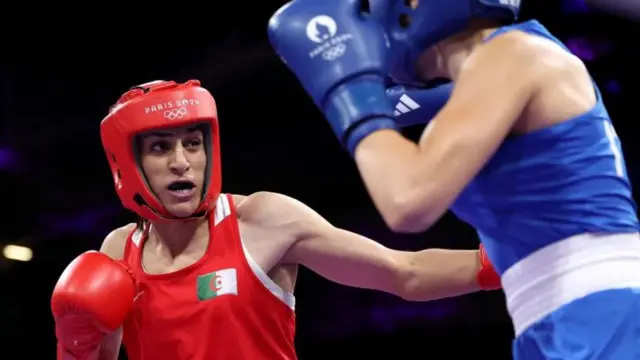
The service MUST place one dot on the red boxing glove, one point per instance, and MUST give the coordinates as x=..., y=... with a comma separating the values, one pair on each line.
x=92, y=297
x=487, y=277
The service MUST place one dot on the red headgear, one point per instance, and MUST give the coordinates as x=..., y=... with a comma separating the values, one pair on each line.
x=152, y=106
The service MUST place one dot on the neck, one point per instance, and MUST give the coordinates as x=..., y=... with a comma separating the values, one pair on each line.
x=178, y=235
x=446, y=59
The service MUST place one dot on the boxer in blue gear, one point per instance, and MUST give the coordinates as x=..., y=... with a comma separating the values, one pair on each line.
x=524, y=150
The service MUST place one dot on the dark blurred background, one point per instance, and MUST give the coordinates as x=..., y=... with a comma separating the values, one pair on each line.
x=62, y=67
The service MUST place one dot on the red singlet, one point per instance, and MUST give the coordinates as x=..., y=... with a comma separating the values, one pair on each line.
x=222, y=307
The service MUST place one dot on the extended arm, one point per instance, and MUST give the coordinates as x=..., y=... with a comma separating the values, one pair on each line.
x=354, y=260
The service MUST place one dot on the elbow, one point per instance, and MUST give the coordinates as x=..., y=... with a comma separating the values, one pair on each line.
x=406, y=223
x=406, y=285
x=406, y=291
x=411, y=213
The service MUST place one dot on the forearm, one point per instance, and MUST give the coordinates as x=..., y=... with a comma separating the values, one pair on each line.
x=109, y=354
x=437, y=273
x=387, y=162
x=110, y=346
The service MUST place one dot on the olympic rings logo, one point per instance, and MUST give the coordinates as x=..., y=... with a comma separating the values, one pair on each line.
x=334, y=52
x=175, y=113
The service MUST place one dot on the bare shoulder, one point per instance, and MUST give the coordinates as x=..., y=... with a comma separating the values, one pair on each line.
x=515, y=66
x=537, y=55
x=113, y=244
x=559, y=81
x=274, y=209
x=509, y=54
x=262, y=204
x=238, y=199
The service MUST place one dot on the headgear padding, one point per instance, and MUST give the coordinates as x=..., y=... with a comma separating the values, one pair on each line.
x=412, y=31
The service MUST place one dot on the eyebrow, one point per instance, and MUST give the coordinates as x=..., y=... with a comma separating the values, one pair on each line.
x=162, y=134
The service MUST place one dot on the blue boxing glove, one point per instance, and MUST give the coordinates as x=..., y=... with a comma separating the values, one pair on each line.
x=415, y=105
x=340, y=57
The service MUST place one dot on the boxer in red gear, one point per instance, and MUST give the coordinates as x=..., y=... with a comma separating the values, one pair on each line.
x=206, y=275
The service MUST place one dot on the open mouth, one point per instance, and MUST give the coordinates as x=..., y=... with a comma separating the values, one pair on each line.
x=181, y=187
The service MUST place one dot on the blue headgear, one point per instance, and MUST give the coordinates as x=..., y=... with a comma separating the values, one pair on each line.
x=411, y=31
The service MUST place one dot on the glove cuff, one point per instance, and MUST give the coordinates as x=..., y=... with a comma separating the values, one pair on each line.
x=413, y=105
x=79, y=340
x=487, y=277
x=358, y=108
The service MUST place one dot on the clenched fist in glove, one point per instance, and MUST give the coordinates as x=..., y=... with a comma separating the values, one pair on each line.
x=92, y=298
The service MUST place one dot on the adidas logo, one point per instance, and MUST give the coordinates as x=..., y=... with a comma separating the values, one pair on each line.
x=405, y=104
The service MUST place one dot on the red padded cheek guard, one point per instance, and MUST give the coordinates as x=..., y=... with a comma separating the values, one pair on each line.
x=156, y=106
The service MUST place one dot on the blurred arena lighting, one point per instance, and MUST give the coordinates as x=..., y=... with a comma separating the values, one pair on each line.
x=574, y=6
x=625, y=8
x=612, y=87
x=17, y=253
x=582, y=48
x=8, y=159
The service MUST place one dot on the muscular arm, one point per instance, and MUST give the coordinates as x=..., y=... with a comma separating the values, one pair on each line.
x=413, y=185
x=354, y=260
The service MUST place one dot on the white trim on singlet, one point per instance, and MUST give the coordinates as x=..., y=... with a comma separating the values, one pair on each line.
x=286, y=297
x=223, y=209
x=569, y=270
